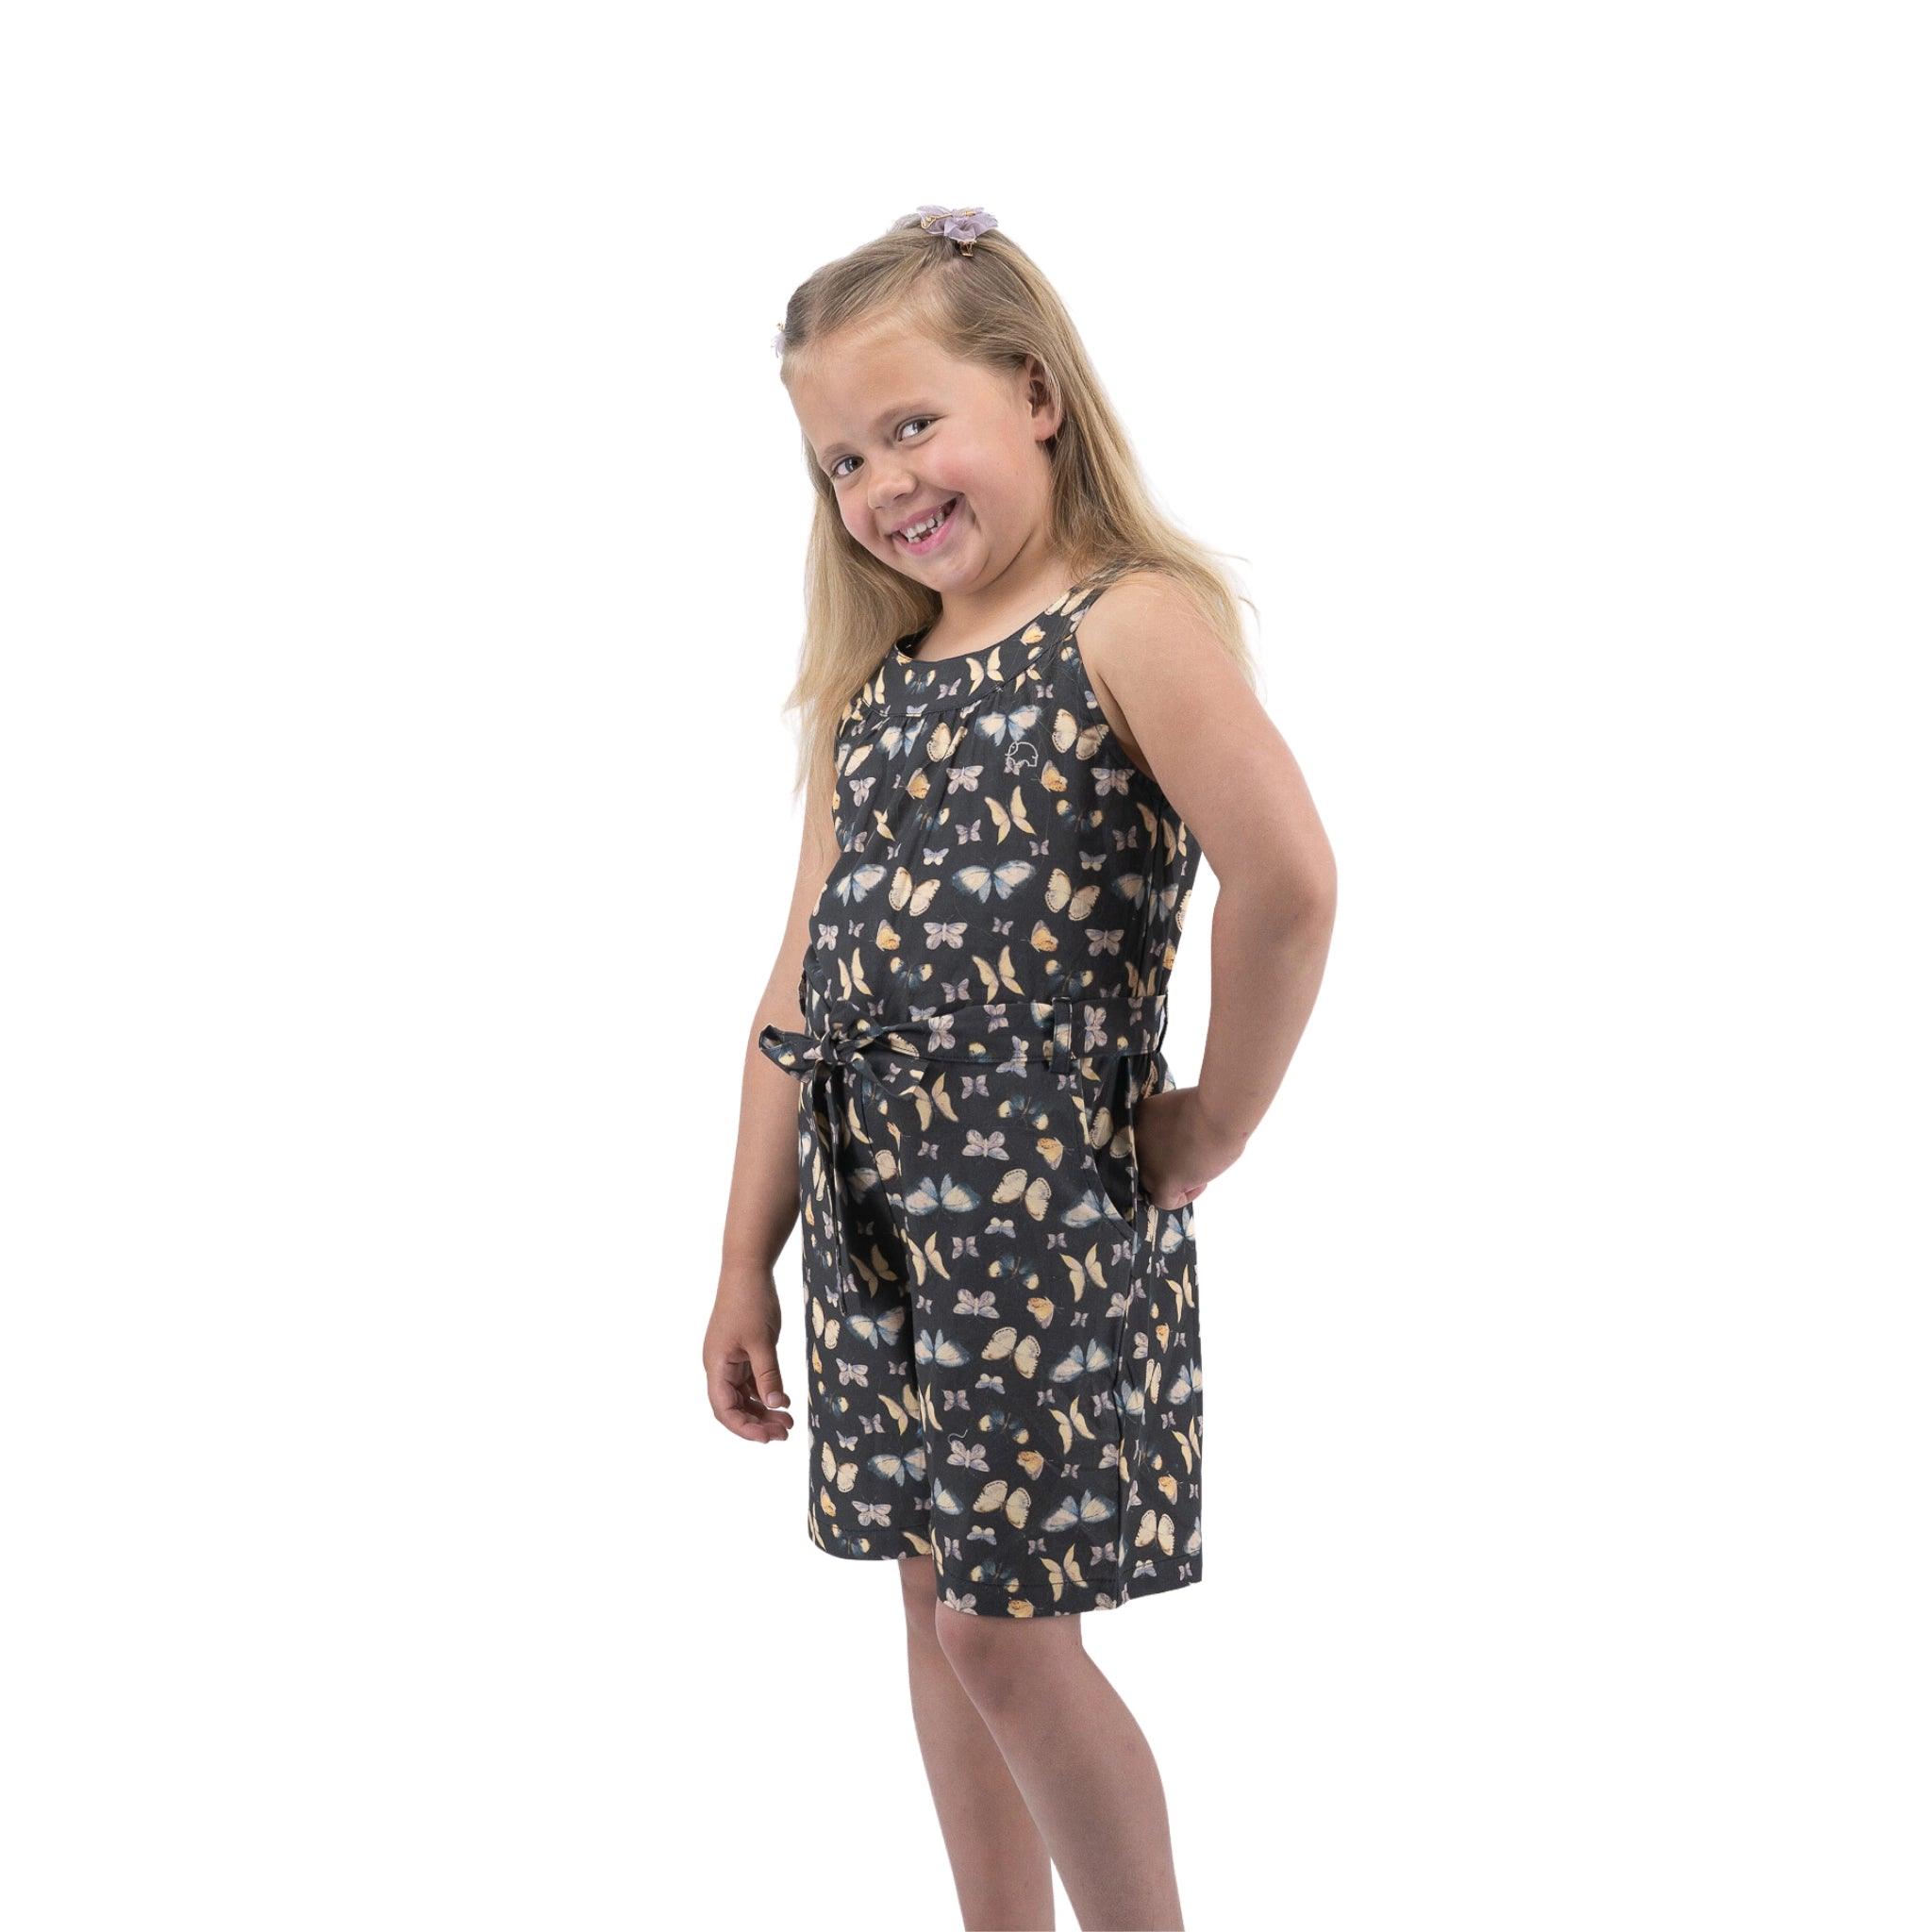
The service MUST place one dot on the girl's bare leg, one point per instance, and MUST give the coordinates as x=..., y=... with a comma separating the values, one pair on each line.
x=1080, y=1761
x=1000, y=1867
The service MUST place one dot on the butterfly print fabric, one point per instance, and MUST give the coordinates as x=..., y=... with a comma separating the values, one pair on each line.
x=1004, y=1358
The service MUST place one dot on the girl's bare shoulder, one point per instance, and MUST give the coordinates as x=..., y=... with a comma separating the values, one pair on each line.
x=1146, y=644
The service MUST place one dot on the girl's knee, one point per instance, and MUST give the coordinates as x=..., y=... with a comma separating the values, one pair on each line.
x=995, y=1657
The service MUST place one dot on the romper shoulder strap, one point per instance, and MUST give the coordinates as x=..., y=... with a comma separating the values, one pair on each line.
x=1098, y=583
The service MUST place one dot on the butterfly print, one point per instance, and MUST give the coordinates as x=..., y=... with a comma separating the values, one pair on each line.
x=996, y=1309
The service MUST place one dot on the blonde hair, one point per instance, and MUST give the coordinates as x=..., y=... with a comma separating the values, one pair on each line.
x=996, y=308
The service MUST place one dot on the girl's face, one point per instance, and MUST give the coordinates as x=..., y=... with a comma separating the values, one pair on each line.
x=903, y=431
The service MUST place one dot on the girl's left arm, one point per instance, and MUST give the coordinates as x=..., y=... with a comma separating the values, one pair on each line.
x=1187, y=717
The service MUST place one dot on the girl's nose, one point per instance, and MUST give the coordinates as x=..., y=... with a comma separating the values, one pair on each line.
x=887, y=493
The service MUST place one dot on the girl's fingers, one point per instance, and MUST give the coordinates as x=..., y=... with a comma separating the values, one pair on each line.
x=771, y=1384
x=735, y=1401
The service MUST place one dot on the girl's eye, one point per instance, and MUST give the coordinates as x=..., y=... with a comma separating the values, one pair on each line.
x=833, y=472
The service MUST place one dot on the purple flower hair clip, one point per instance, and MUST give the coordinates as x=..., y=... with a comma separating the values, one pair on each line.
x=964, y=226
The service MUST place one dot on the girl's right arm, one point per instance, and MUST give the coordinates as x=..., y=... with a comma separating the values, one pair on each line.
x=741, y=1341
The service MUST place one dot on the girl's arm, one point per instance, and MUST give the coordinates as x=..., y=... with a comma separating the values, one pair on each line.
x=740, y=1343
x=1189, y=719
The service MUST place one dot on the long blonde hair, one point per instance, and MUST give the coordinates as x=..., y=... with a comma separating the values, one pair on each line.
x=993, y=307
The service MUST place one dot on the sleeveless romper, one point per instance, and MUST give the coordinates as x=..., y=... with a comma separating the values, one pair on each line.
x=1004, y=1360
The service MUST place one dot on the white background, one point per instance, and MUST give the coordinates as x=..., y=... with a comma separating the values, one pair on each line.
x=402, y=531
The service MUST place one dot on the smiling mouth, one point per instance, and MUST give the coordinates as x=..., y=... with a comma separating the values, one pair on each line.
x=933, y=536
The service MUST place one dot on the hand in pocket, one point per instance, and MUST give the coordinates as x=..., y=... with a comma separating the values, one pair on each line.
x=1176, y=1146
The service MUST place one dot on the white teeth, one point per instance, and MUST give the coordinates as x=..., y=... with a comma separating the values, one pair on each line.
x=916, y=531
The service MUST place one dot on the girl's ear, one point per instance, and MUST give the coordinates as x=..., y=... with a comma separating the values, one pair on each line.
x=1042, y=402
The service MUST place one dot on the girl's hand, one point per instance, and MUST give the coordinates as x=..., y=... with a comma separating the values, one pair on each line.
x=742, y=1356
x=1178, y=1149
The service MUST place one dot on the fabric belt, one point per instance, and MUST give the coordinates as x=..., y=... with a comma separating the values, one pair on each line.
x=854, y=1051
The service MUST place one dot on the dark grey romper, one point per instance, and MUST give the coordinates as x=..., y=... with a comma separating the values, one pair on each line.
x=1003, y=1361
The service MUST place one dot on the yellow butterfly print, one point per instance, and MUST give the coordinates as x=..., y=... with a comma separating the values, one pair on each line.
x=1083, y=1271
x=1006, y=818
x=877, y=1270
x=905, y=896
x=1042, y=1309
x=1050, y=1148
x=1168, y=1486
x=1005, y=977
x=1008, y=877
x=918, y=1542
x=851, y=976
x=942, y=1498
x=996, y=1495
x=1009, y=1341
x=857, y=883
x=1061, y=896
x=1032, y=1461
x=901, y=1416
x=843, y=1473
x=927, y=1258
x=1068, y=735
x=1038, y=1193
x=1151, y=1527
x=1071, y=1423
x=1044, y=939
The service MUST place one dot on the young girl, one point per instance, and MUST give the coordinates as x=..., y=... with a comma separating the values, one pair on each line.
x=1029, y=712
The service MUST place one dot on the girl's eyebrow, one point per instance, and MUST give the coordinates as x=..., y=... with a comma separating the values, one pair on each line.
x=916, y=408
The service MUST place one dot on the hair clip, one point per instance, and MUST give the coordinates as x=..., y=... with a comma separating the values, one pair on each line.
x=964, y=226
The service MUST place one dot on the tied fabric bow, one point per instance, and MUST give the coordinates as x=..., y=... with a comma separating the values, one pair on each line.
x=822, y=1062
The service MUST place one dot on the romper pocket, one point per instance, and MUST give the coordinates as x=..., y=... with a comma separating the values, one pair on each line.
x=1109, y=1181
